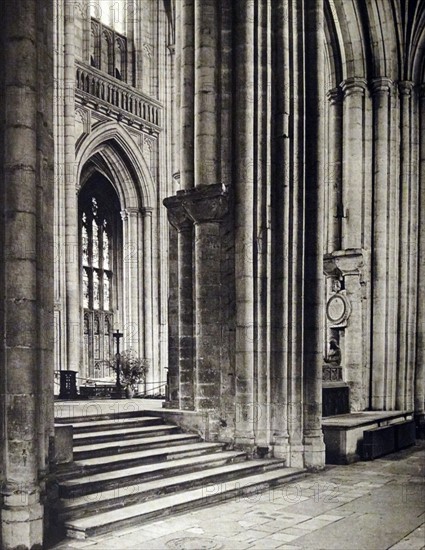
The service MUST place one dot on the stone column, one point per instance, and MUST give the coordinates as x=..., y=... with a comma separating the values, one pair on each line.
x=206, y=206
x=244, y=219
x=186, y=379
x=262, y=287
x=279, y=253
x=419, y=382
x=153, y=374
x=405, y=295
x=26, y=268
x=314, y=450
x=380, y=359
x=353, y=163
x=72, y=276
x=132, y=262
x=186, y=11
x=123, y=322
x=181, y=372
x=206, y=158
x=335, y=170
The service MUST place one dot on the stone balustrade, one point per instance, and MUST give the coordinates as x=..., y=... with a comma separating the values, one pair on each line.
x=116, y=96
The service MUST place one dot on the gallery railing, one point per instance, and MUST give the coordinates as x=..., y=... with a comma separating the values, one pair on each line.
x=113, y=94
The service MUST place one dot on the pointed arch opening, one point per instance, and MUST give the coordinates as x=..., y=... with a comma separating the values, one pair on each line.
x=100, y=235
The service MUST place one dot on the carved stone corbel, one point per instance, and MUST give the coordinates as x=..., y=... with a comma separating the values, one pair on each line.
x=207, y=203
x=176, y=214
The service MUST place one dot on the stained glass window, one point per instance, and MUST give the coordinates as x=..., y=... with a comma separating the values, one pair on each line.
x=85, y=245
x=105, y=248
x=99, y=223
x=96, y=291
x=86, y=289
x=96, y=338
x=95, y=244
x=106, y=292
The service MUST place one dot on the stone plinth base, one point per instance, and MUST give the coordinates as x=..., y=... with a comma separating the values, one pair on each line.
x=63, y=444
x=22, y=522
x=314, y=452
x=343, y=434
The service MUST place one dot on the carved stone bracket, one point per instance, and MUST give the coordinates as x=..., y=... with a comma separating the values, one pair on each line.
x=176, y=213
x=345, y=262
x=203, y=204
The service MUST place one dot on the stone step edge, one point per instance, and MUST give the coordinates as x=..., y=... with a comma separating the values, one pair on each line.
x=100, y=417
x=107, y=521
x=153, y=469
x=133, y=446
x=174, y=484
x=142, y=441
x=115, y=462
x=79, y=437
x=111, y=423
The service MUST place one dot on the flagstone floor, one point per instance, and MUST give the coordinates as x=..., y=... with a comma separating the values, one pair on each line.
x=368, y=505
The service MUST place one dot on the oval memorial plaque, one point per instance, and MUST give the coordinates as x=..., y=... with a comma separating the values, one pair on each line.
x=337, y=309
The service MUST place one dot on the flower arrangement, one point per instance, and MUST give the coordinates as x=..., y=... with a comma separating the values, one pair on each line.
x=132, y=369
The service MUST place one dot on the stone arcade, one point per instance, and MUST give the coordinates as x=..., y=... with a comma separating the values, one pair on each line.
x=231, y=183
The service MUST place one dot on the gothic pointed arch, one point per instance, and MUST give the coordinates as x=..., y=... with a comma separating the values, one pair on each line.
x=109, y=158
x=123, y=156
x=344, y=21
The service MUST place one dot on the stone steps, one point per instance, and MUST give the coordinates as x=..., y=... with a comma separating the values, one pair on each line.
x=126, y=433
x=83, y=485
x=131, y=469
x=132, y=445
x=126, y=460
x=140, y=513
x=105, y=500
x=91, y=426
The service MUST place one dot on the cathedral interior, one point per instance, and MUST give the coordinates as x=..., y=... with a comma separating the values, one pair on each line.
x=236, y=186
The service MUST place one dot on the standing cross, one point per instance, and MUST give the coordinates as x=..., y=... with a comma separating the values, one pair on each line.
x=118, y=335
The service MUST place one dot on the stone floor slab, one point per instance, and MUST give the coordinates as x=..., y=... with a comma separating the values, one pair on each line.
x=367, y=505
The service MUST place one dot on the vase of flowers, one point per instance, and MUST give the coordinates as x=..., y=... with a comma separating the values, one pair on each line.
x=131, y=370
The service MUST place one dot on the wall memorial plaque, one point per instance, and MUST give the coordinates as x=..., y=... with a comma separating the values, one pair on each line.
x=338, y=309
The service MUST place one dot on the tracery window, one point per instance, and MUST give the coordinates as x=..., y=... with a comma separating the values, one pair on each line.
x=99, y=237
x=110, y=12
x=108, y=46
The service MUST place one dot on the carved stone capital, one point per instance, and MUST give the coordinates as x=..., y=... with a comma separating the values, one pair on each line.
x=334, y=96
x=205, y=203
x=381, y=85
x=406, y=87
x=352, y=86
x=147, y=211
x=132, y=211
x=176, y=213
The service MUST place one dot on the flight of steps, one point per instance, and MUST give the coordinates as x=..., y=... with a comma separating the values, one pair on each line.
x=130, y=468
